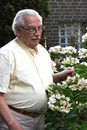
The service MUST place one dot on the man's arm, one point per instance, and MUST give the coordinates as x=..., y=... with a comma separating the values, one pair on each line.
x=7, y=115
x=57, y=77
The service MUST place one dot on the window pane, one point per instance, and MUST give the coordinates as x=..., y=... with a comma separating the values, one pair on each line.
x=62, y=39
x=68, y=30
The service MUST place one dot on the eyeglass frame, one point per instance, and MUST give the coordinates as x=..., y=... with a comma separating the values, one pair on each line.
x=32, y=29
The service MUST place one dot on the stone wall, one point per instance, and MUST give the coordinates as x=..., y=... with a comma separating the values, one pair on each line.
x=64, y=11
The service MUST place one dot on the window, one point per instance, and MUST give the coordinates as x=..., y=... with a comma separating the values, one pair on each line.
x=69, y=34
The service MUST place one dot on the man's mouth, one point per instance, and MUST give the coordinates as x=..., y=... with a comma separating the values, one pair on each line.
x=36, y=38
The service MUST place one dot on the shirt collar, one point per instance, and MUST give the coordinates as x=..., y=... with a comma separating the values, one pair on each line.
x=26, y=48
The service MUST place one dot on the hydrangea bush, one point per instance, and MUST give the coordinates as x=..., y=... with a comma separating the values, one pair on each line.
x=84, y=41
x=67, y=100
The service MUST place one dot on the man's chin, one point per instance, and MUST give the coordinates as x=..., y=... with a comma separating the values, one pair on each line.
x=35, y=43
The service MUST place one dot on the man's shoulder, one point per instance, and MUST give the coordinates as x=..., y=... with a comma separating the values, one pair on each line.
x=43, y=51
x=41, y=47
x=12, y=45
x=9, y=45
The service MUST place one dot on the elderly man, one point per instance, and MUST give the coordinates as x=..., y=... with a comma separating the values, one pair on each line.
x=25, y=72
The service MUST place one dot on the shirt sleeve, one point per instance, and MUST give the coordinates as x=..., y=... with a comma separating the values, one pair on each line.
x=4, y=73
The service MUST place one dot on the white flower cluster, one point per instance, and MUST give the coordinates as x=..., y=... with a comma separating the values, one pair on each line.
x=62, y=50
x=70, y=61
x=82, y=52
x=74, y=83
x=84, y=37
x=84, y=63
x=55, y=49
x=81, y=84
x=54, y=66
x=69, y=50
x=58, y=102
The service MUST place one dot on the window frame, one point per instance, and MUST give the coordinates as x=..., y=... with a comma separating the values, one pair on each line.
x=68, y=31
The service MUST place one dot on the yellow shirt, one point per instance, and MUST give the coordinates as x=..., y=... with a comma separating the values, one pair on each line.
x=24, y=75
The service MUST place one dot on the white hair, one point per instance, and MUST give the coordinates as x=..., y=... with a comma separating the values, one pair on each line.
x=19, y=20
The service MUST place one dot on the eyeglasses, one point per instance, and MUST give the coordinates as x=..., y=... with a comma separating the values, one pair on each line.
x=32, y=29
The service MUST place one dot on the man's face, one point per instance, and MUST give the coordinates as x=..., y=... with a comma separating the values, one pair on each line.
x=30, y=33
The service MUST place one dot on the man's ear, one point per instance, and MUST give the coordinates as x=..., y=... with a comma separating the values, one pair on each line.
x=18, y=30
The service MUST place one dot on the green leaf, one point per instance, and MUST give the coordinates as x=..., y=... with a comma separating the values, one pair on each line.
x=84, y=126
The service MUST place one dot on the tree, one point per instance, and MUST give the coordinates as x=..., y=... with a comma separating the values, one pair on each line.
x=8, y=9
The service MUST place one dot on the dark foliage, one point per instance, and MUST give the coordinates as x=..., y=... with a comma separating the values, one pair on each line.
x=8, y=9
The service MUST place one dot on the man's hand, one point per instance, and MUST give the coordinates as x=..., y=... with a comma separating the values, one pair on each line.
x=68, y=71
x=14, y=125
x=57, y=77
x=7, y=115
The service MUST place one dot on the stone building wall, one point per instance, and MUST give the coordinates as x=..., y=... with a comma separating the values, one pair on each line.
x=64, y=11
